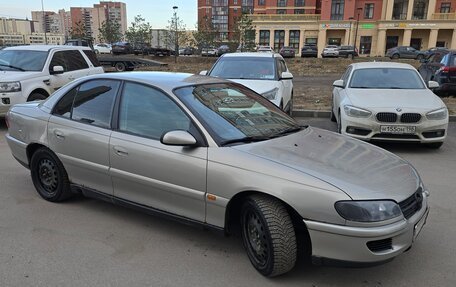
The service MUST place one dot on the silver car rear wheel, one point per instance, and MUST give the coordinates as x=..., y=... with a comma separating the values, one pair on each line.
x=268, y=235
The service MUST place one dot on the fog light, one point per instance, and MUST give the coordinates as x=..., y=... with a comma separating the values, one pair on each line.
x=6, y=101
x=351, y=130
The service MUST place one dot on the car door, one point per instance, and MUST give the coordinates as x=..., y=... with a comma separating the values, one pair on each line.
x=145, y=171
x=79, y=131
x=287, y=85
x=74, y=66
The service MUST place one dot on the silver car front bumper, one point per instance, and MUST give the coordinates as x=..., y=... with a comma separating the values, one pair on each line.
x=349, y=244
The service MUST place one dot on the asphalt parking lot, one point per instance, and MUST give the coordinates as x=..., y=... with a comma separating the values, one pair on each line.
x=85, y=242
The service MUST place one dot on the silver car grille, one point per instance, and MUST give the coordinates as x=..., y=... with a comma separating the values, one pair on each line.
x=412, y=204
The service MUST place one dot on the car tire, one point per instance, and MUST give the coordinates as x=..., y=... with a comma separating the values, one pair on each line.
x=290, y=105
x=350, y=56
x=419, y=57
x=339, y=124
x=97, y=52
x=268, y=235
x=333, y=117
x=436, y=145
x=395, y=56
x=36, y=97
x=49, y=176
x=120, y=67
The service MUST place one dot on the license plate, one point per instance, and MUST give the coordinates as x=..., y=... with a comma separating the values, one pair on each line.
x=419, y=226
x=398, y=129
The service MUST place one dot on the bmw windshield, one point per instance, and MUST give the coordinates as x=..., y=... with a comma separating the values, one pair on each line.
x=386, y=78
x=22, y=60
x=250, y=68
x=234, y=114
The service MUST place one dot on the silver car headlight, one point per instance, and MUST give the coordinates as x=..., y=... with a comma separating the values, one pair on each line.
x=356, y=112
x=368, y=211
x=6, y=87
x=439, y=114
x=271, y=95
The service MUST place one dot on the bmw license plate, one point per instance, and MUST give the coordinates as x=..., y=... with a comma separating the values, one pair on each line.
x=398, y=129
x=419, y=226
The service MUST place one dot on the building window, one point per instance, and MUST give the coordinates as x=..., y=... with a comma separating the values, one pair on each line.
x=334, y=41
x=419, y=9
x=365, y=45
x=261, y=2
x=299, y=3
x=400, y=9
x=247, y=6
x=264, y=37
x=337, y=9
x=445, y=7
x=294, y=39
x=281, y=11
x=281, y=3
x=311, y=41
x=369, y=11
x=279, y=39
x=299, y=11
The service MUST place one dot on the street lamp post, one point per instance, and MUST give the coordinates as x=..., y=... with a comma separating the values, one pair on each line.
x=176, y=43
x=349, y=31
x=357, y=25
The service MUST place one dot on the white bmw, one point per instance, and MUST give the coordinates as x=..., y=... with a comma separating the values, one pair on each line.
x=388, y=101
x=265, y=73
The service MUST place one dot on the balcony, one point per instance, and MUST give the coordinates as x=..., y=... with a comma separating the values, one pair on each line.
x=284, y=17
x=444, y=16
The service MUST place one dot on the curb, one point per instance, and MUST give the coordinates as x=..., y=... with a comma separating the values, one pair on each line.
x=327, y=114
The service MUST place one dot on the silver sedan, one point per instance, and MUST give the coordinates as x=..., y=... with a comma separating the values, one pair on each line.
x=214, y=153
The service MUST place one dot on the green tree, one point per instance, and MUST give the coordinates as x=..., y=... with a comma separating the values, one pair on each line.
x=244, y=33
x=205, y=35
x=139, y=31
x=79, y=31
x=109, y=32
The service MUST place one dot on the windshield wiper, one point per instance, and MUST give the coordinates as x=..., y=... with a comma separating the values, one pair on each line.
x=13, y=67
x=362, y=87
x=244, y=140
x=288, y=131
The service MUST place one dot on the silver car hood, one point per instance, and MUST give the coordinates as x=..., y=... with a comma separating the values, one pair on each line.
x=361, y=170
x=422, y=99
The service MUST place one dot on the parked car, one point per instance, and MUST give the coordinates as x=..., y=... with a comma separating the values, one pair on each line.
x=330, y=51
x=265, y=49
x=265, y=73
x=441, y=67
x=348, y=52
x=211, y=152
x=405, y=52
x=30, y=73
x=209, y=52
x=122, y=48
x=287, y=52
x=79, y=42
x=187, y=51
x=223, y=49
x=102, y=48
x=388, y=101
x=309, y=50
x=141, y=49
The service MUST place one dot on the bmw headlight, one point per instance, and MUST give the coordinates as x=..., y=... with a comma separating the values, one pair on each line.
x=6, y=87
x=271, y=95
x=356, y=112
x=368, y=211
x=439, y=114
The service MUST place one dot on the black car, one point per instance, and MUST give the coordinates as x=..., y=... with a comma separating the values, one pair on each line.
x=441, y=67
x=348, y=52
x=122, y=48
x=309, y=50
x=287, y=52
x=141, y=48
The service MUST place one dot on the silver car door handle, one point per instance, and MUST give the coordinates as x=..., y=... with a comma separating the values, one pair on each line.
x=120, y=150
x=58, y=134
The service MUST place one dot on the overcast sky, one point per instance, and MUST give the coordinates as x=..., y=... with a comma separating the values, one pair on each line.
x=156, y=12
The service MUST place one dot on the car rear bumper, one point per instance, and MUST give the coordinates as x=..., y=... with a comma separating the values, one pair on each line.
x=18, y=149
x=355, y=244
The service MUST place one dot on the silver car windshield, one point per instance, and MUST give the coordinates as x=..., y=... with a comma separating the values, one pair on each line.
x=22, y=60
x=386, y=78
x=251, y=68
x=234, y=114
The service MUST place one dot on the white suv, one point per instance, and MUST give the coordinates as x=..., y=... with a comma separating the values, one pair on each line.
x=29, y=73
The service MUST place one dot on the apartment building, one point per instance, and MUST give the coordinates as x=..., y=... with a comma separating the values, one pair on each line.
x=374, y=25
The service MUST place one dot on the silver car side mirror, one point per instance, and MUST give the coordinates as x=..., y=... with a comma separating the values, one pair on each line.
x=203, y=73
x=433, y=85
x=178, y=138
x=286, y=76
x=339, y=84
x=57, y=70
